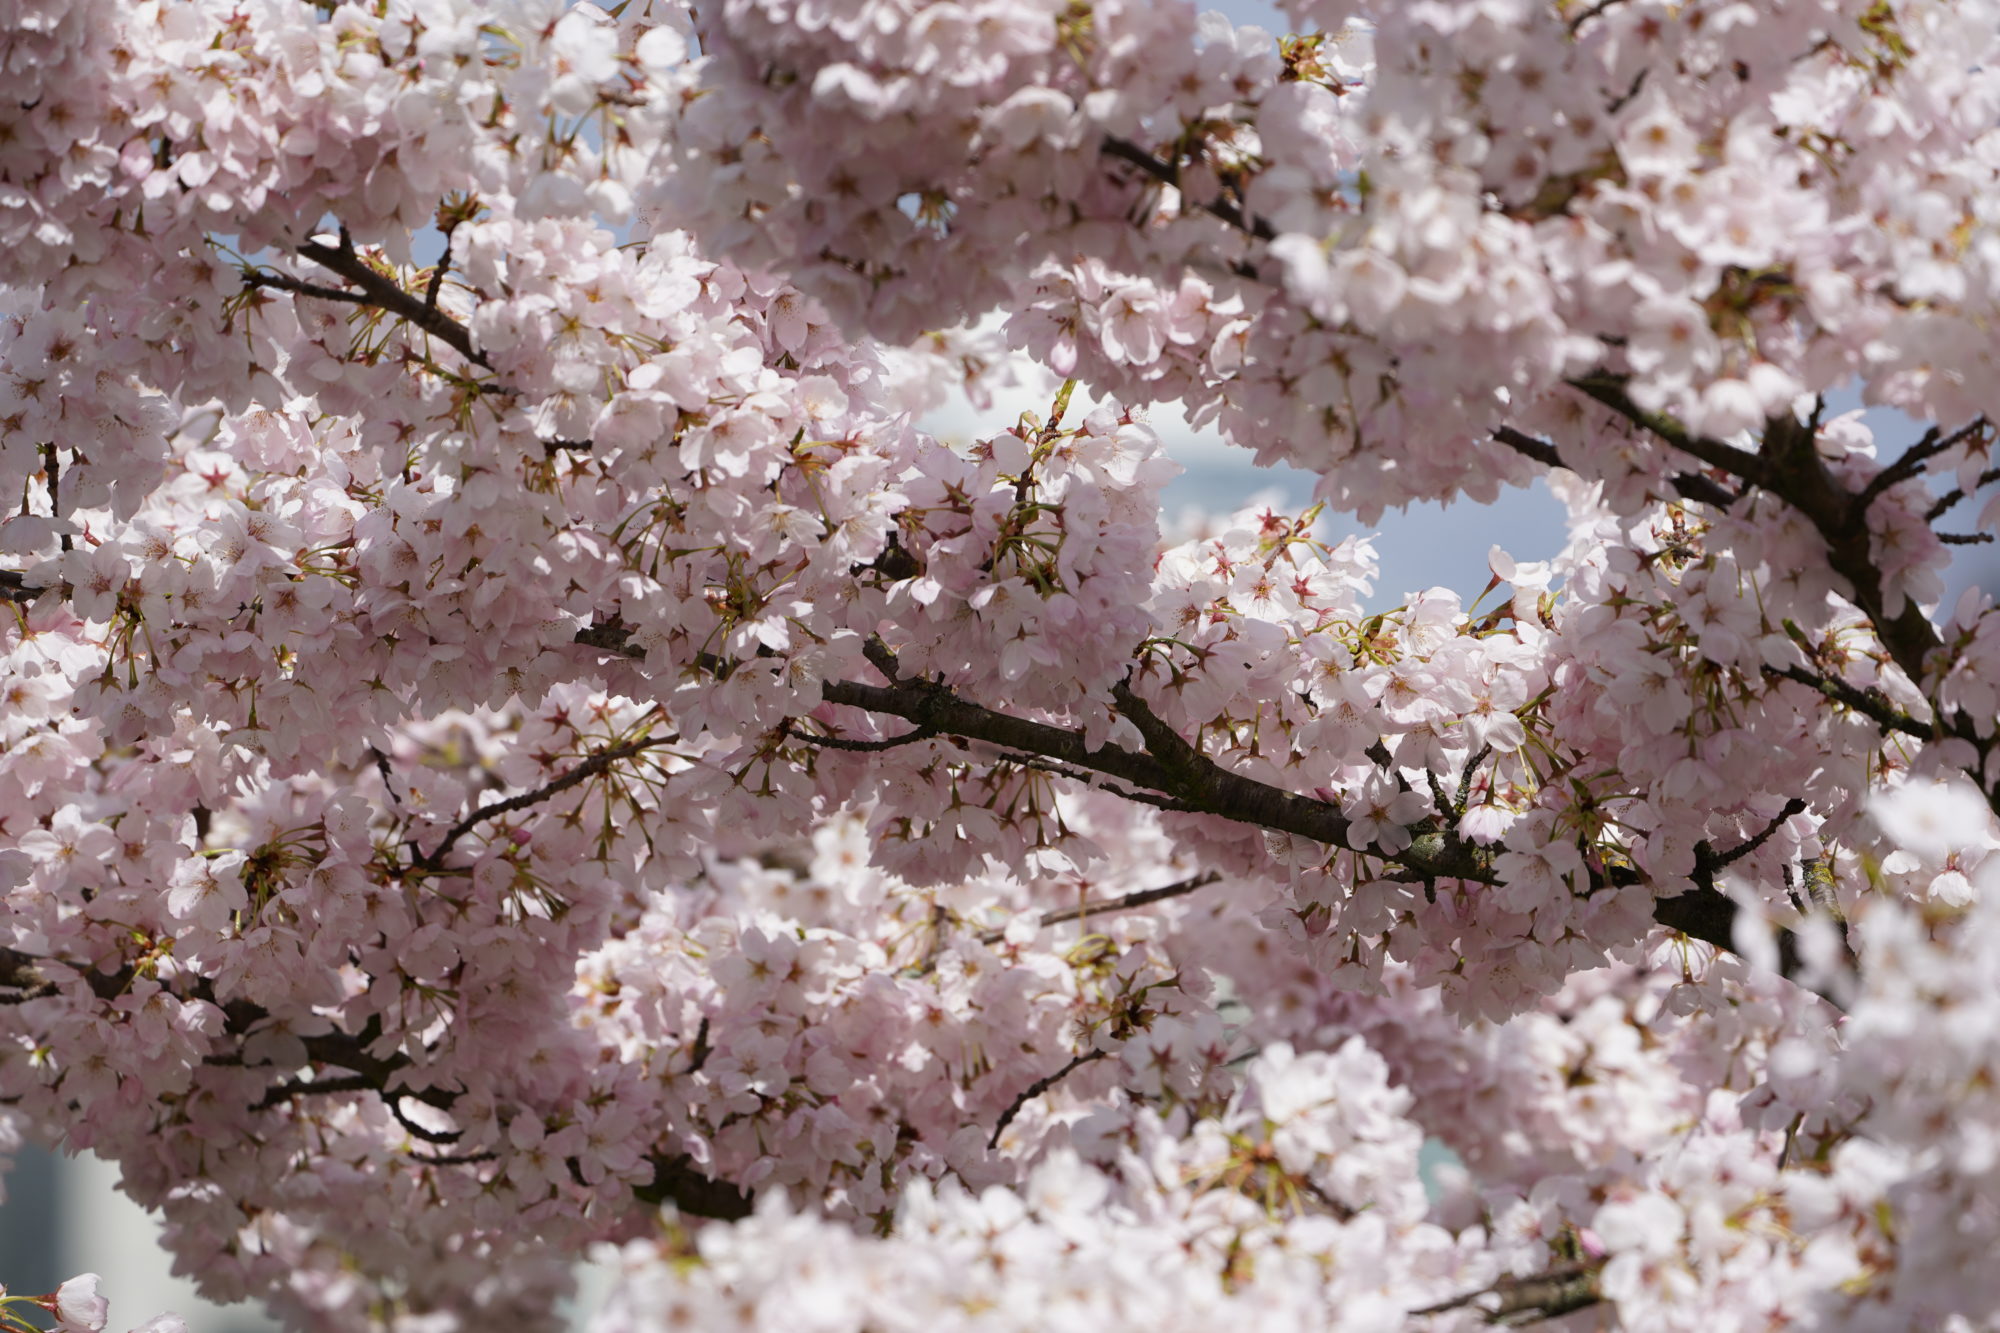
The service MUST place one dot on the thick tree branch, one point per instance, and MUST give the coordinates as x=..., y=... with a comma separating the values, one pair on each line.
x=676, y=1181
x=15, y=588
x=1790, y=467
x=1194, y=783
x=1688, y=485
x=1609, y=390
x=385, y=293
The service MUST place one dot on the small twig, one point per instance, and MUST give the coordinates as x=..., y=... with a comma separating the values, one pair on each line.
x=54, y=469
x=452, y=1159
x=859, y=747
x=1953, y=538
x=1591, y=13
x=316, y=1088
x=388, y=779
x=1930, y=446
x=1720, y=860
x=394, y=1101
x=386, y=294
x=699, y=1055
x=1126, y=151
x=1624, y=99
x=1472, y=763
x=1036, y=1089
x=1957, y=493
x=1871, y=706
x=1089, y=779
x=284, y=282
x=583, y=772
x=1107, y=906
x=437, y=274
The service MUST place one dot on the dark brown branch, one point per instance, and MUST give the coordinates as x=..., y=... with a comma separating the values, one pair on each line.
x=1956, y=494
x=319, y=1087
x=15, y=588
x=676, y=1181
x=674, y=1178
x=1591, y=13
x=385, y=293
x=1930, y=446
x=1193, y=782
x=394, y=1101
x=1708, y=862
x=1126, y=151
x=1870, y=704
x=1472, y=763
x=1089, y=779
x=1107, y=906
x=583, y=772
x=1519, y=1300
x=1541, y=451
x=1790, y=467
x=436, y=283
x=452, y=1159
x=285, y=282
x=1036, y=1089
x=1609, y=390
x=1688, y=485
x=857, y=747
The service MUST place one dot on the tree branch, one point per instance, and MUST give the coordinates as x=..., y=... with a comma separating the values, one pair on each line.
x=1167, y=174
x=1036, y=1089
x=1911, y=463
x=1526, y=1300
x=583, y=772
x=1609, y=390
x=1108, y=906
x=385, y=293
x=676, y=1181
x=1193, y=782
x=1871, y=704
x=1790, y=467
x=1688, y=485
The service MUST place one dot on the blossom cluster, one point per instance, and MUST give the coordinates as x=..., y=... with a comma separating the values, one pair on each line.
x=1296, y=1204
x=516, y=737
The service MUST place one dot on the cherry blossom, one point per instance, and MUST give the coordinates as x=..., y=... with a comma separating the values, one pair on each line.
x=520, y=737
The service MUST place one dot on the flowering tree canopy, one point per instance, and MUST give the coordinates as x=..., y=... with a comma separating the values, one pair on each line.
x=515, y=739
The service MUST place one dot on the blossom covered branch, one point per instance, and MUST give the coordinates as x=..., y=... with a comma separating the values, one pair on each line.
x=543, y=747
